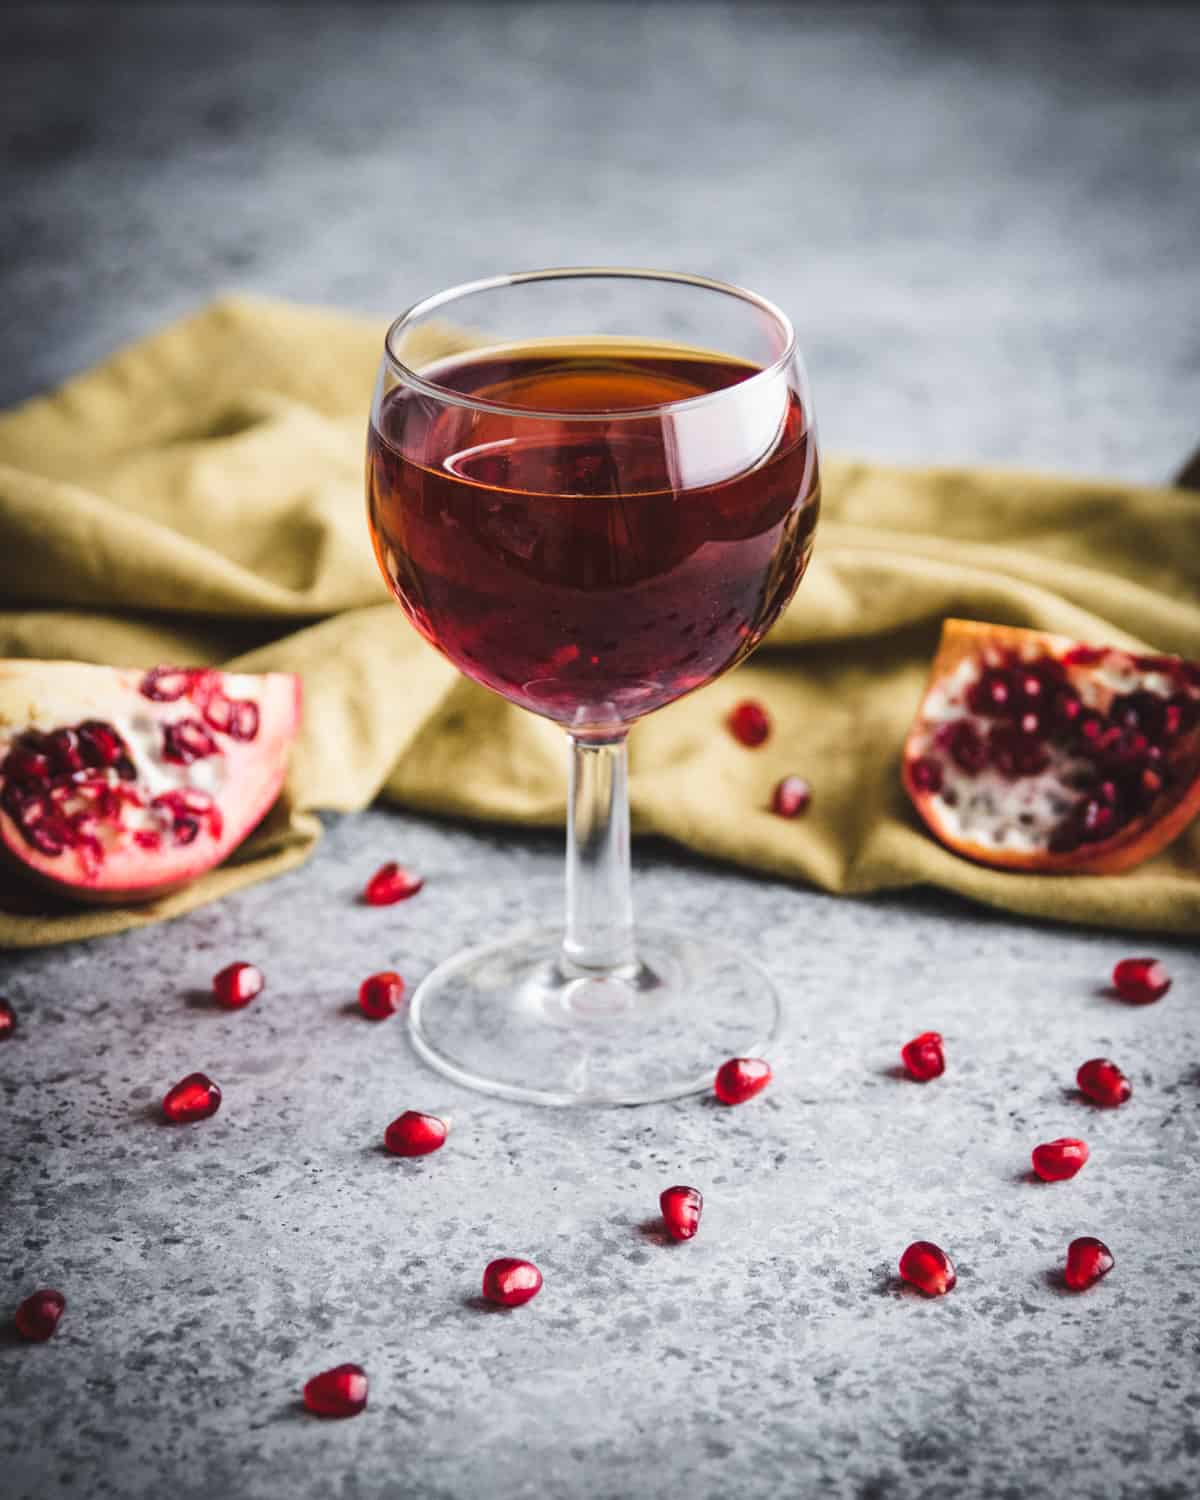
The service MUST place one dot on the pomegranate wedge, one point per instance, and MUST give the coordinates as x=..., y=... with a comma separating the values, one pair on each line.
x=1032, y=752
x=119, y=785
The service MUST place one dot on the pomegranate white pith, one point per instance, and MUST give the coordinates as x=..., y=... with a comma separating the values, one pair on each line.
x=118, y=785
x=1033, y=752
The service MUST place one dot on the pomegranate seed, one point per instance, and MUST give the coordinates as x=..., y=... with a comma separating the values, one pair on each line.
x=391, y=883
x=926, y=774
x=1055, y=1161
x=415, y=1134
x=1140, y=980
x=8, y=1021
x=340, y=1392
x=37, y=1317
x=380, y=995
x=1103, y=1082
x=963, y=743
x=204, y=685
x=1084, y=656
x=243, y=723
x=924, y=1057
x=193, y=1098
x=681, y=1208
x=511, y=1282
x=23, y=764
x=237, y=985
x=100, y=743
x=187, y=740
x=165, y=684
x=927, y=1267
x=64, y=751
x=989, y=696
x=749, y=724
x=741, y=1078
x=218, y=712
x=1087, y=1260
x=791, y=797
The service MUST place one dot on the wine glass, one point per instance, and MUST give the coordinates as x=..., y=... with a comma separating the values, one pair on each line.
x=600, y=502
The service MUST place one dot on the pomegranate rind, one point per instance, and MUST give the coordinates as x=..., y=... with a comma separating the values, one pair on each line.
x=1137, y=841
x=244, y=777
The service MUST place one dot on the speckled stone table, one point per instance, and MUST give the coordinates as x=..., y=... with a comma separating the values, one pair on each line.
x=986, y=223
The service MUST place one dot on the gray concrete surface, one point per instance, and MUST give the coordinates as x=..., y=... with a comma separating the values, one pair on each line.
x=986, y=222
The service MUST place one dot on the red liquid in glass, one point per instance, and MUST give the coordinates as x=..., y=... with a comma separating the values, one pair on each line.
x=561, y=560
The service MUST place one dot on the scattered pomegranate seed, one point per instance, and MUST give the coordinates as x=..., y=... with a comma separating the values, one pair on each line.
x=923, y=1056
x=237, y=985
x=37, y=1317
x=379, y=996
x=1140, y=980
x=415, y=1134
x=391, y=883
x=1103, y=1082
x=1087, y=1260
x=511, y=1282
x=1055, y=1161
x=340, y=1392
x=193, y=1098
x=8, y=1021
x=927, y=1267
x=749, y=724
x=741, y=1078
x=791, y=797
x=681, y=1208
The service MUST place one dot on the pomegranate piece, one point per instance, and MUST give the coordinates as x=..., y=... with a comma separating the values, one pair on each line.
x=791, y=797
x=1088, y=1260
x=340, y=1392
x=681, y=1209
x=927, y=1267
x=8, y=1021
x=415, y=1134
x=379, y=996
x=749, y=724
x=391, y=883
x=237, y=984
x=740, y=1079
x=110, y=793
x=195, y=1097
x=511, y=1282
x=1103, y=1082
x=924, y=1057
x=37, y=1317
x=1029, y=752
x=1141, y=981
x=1056, y=1161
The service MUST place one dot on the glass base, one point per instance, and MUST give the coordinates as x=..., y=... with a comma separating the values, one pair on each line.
x=513, y=1018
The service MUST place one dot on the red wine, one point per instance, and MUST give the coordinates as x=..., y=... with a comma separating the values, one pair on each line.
x=591, y=568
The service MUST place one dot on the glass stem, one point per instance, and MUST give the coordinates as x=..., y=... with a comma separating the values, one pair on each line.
x=599, y=931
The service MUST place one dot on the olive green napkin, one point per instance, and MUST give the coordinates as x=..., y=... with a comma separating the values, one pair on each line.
x=198, y=498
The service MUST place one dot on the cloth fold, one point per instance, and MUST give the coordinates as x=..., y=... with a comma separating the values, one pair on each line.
x=197, y=498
